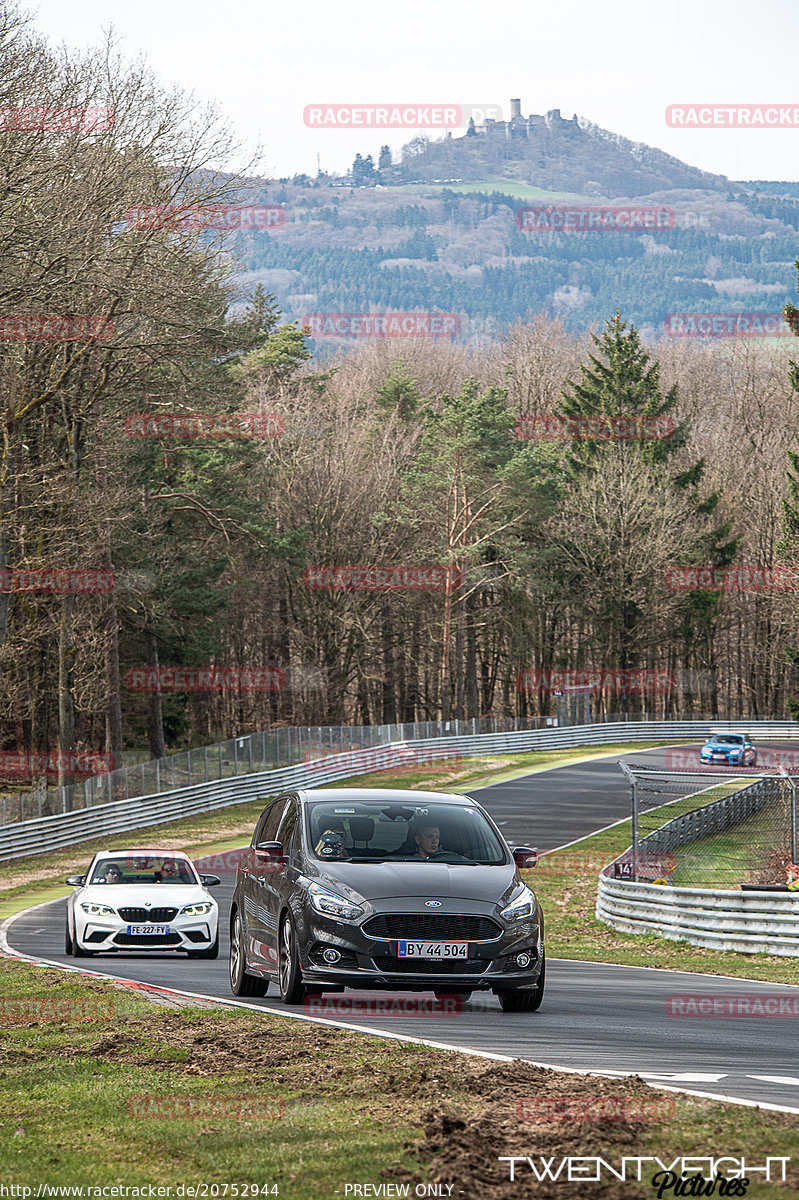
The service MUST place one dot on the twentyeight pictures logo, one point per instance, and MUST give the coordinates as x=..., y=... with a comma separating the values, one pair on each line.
x=382, y=325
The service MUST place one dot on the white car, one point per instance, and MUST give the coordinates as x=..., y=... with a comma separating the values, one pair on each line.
x=142, y=900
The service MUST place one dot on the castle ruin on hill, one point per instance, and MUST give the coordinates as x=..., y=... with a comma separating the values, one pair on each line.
x=519, y=126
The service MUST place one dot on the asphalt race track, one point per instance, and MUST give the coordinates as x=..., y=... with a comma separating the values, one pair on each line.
x=594, y=1017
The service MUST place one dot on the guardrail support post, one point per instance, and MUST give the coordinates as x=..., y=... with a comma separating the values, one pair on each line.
x=792, y=785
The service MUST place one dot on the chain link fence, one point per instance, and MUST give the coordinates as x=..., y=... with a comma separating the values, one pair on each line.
x=267, y=750
x=695, y=830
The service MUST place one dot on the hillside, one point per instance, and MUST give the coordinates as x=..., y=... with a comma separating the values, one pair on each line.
x=553, y=153
x=410, y=243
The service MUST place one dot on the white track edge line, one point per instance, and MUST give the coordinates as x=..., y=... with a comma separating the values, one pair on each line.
x=385, y=1034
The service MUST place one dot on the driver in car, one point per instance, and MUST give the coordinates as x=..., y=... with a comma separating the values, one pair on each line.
x=427, y=840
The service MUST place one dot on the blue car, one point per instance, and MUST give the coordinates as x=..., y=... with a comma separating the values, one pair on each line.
x=733, y=749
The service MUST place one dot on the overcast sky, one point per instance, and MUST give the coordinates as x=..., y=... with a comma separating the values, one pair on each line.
x=619, y=64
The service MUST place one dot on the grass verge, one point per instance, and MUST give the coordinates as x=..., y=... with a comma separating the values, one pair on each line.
x=337, y=1107
x=566, y=883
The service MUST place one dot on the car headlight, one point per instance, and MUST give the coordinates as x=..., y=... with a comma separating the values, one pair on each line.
x=98, y=910
x=196, y=910
x=331, y=904
x=522, y=906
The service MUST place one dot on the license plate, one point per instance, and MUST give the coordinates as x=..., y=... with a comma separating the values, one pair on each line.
x=153, y=930
x=433, y=949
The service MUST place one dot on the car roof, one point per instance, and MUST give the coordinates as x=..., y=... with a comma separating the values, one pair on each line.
x=386, y=795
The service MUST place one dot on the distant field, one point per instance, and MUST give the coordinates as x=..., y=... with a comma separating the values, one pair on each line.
x=509, y=187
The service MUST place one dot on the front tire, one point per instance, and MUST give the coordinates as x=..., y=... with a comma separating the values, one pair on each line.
x=292, y=989
x=77, y=949
x=522, y=1001
x=241, y=982
x=67, y=940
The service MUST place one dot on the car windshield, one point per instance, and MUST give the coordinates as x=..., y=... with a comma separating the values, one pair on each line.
x=143, y=868
x=371, y=831
x=727, y=739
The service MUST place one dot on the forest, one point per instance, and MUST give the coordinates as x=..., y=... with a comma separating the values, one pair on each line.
x=208, y=530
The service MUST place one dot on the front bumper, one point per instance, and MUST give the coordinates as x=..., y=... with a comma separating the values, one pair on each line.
x=370, y=962
x=110, y=934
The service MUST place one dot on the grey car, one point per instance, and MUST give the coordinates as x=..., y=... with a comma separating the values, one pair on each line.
x=396, y=890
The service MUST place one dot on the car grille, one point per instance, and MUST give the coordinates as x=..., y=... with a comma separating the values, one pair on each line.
x=424, y=966
x=146, y=939
x=158, y=916
x=429, y=927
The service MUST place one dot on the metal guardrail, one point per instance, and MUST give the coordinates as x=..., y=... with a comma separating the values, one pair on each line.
x=128, y=813
x=750, y=922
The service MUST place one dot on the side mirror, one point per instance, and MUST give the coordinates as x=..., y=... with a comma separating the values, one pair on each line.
x=269, y=856
x=75, y=880
x=210, y=880
x=525, y=857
